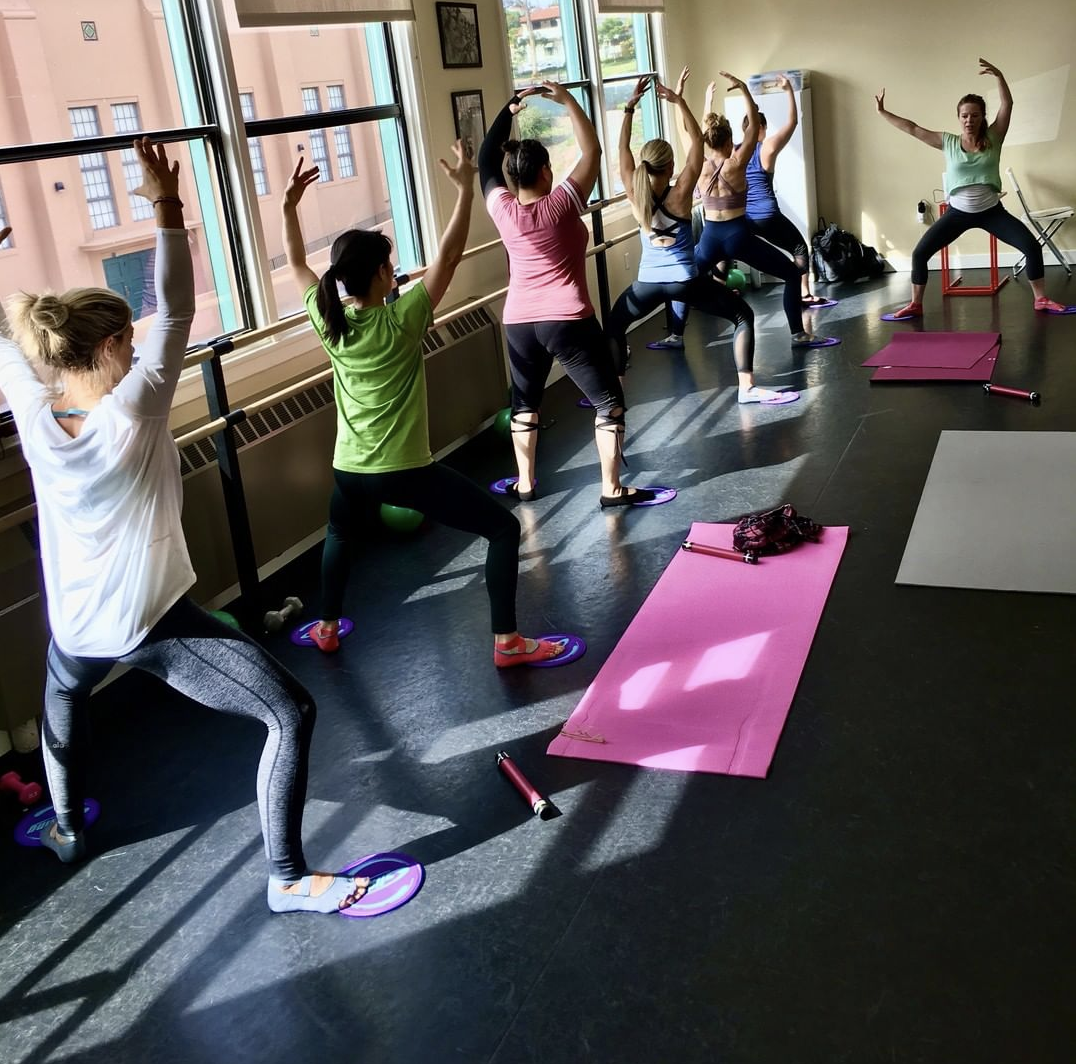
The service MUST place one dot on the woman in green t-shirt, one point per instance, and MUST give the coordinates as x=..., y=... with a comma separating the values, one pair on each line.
x=972, y=164
x=382, y=450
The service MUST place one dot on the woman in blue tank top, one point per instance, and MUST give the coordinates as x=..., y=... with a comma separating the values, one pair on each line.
x=667, y=270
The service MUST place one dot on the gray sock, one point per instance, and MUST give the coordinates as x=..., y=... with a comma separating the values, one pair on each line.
x=69, y=848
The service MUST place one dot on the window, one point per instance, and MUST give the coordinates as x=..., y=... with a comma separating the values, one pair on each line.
x=96, y=182
x=598, y=57
x=254, y=146
x=125, y=120
x=319, y=152
x=83, y=116
x=345, y=154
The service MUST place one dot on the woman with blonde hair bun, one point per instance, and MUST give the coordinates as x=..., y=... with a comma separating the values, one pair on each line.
x=94, y=432
x=727, y=233
x=667, y=270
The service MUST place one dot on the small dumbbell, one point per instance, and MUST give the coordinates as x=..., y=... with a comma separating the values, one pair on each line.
x=27, y=793
x=274, y=620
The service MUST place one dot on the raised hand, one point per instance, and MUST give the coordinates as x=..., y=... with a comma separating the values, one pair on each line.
x=160, y=178
x=462, y=174
x=556, y=92
x=989, y=68
x=530, y=90
x=783, y=82
x=640, y=90
x=666, y=94
x=298, y=182
x=734, y=82
x=879, y=101
x=681, y=81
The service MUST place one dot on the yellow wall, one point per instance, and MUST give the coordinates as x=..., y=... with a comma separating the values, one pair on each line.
x=925, y=54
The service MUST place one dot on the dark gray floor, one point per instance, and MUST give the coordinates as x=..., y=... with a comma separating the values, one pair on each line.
x=899, y=889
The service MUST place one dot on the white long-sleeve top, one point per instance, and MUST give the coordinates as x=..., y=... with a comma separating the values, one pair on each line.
x=109, y=500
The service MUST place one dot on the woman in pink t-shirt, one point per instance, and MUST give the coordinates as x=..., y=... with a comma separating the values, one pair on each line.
x=548, y=314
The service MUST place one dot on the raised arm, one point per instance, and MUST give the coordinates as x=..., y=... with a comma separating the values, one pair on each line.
x=454, y=239
x=585, y=171
x=682, y=131
x=772, y=145
x=1000, y=126
x=741, y=156
x=149, y=386
x=625, y=158
x=684, y=189
x=906, y=125
x=490, y=156
x=294, y=248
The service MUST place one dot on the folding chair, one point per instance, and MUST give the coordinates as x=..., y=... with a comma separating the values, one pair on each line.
x=1052, y=218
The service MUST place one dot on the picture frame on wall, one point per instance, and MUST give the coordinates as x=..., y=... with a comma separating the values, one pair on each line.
x=457, y=25
x=470, y=119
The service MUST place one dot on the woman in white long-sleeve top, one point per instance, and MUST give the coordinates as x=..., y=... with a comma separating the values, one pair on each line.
x=93, y=425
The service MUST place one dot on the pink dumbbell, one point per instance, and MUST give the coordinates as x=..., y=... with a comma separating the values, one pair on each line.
x=27, y=793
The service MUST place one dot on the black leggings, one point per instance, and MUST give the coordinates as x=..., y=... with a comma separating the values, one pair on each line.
x=579, y=346
x=702, y=293
x=737, y=239
x=443, y=495
x=221, y=668
x=997, y=220
x=781, y=232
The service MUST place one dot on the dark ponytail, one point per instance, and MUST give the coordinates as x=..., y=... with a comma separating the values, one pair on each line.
x=355, y=258
x=526, y=158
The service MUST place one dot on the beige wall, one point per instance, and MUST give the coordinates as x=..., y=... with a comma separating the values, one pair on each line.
x=925, y=54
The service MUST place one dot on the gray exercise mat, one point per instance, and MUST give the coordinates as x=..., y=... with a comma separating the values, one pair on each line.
x=998, y=511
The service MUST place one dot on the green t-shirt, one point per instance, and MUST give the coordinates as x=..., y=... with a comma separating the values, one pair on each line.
x=964, y=168
x=380, y=384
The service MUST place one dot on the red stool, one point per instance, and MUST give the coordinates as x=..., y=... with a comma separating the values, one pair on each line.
x=955, y=287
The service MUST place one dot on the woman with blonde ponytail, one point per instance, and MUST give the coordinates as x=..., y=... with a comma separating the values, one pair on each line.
x=94, y=430
x=667, y=270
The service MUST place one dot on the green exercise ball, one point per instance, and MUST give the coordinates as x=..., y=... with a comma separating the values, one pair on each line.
x=226, y=617
x=503, y=421
x=736, y=280
x=400, y=518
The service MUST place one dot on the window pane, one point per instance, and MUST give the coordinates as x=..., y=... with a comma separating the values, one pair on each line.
x=622, y=48
x=543, y=42
x=61, y=248
x=49, y=68
x=549, y=122
x=326, y=210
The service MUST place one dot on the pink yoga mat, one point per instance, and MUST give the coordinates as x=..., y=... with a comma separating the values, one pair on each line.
x=951, y=350
x=983, y=370
x=703, y=678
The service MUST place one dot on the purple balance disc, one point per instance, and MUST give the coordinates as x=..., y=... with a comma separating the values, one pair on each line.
x=1064, y=310
x=907, y=317
x=395, y=879
x=821, y=341
x=827, y=302
x=661, y=495
x=584, y=404
x=575, y=649
x=28, y=830
x=500, y=487
x=301, y=638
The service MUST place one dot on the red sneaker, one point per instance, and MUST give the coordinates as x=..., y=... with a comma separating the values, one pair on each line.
x=327, y=641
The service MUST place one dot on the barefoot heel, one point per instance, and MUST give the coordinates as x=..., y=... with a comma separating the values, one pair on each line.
x=301, y=900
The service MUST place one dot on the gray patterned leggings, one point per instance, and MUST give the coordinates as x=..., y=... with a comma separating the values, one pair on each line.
x=221, y=668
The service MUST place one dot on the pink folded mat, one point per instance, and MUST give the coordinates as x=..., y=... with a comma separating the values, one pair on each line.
x=936, y=349
x=704, y=676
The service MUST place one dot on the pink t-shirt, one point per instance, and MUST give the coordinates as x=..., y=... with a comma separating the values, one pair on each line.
x=546, y=243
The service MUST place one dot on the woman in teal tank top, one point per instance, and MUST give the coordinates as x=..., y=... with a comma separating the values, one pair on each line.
x=972, y=163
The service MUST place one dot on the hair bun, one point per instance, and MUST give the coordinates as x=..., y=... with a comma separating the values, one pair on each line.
x=49, y=313
x=510, y=147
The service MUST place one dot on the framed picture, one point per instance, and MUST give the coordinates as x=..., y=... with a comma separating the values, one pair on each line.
x=458, y=27
x=470, y=119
